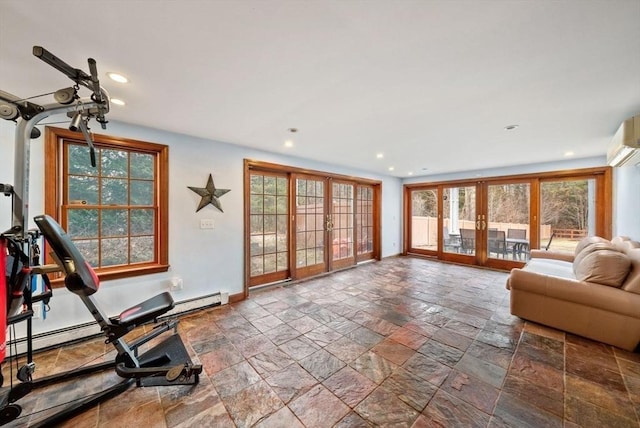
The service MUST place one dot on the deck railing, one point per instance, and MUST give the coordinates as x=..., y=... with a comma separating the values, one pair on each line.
x=570, y=233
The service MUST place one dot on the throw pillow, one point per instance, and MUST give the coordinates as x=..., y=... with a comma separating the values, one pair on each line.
x=598, y=246
x=607, y=267
x=588, y=241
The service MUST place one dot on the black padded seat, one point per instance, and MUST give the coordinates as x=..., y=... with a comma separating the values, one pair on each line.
x=80, y=277
x=145, y=311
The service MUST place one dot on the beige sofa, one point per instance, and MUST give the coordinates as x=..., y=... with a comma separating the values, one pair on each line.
x=594, y=292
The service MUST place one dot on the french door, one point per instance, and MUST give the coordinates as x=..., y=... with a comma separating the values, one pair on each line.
x=341, y=221
x=475, y=223
x=301, y=224
x=325, y=224
x=312, y=223
x=497, y=221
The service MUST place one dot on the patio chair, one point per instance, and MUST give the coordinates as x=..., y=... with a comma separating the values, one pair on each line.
x=467, y=241
x=516, y=248
x=450, y=243
x=497, y=243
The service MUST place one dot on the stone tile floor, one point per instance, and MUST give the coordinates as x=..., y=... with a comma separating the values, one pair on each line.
x=404, y=342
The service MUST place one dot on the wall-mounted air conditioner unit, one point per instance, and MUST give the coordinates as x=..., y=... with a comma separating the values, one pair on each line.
x=623, y=149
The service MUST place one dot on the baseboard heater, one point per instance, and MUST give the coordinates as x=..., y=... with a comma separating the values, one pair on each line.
x=80, y=332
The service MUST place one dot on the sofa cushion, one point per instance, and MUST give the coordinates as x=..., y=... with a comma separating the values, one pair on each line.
x=588, y=241
x=632, y=283
x=606, y=267
x=551, y=267
x=590, y=248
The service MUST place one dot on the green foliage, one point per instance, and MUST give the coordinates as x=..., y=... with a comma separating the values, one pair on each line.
x=509, y=203
x=101, y=205
x=565, y=204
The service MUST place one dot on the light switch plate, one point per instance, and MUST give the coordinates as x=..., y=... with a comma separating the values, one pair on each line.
x=206, y=223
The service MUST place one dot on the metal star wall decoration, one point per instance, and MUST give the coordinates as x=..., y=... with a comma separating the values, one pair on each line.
x=209, y=195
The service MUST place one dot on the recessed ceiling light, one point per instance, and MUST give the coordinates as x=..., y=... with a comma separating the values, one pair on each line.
x=391, y=168
x=379, y=155
x=409, y=173
x=510, y=127
x=117, y=102
x=569, y=154
x=117, y=77
x=288, y=143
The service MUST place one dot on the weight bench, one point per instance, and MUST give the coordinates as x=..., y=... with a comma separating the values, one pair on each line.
x=167, y=363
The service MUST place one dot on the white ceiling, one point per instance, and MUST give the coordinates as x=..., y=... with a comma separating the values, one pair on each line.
x=430, y=84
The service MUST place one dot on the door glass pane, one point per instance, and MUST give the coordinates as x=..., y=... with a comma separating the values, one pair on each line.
x=342, y=218
x=459, y=217
x=424, y=219
x=364, y=219
x=309, y=222
x=508, y=221
x=567, y=212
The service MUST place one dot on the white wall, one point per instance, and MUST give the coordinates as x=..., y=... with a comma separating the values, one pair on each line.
x=626, y=201
x=511, y=170
x=208, y=261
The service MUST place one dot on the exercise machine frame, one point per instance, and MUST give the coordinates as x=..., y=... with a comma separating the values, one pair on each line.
x=155, y=367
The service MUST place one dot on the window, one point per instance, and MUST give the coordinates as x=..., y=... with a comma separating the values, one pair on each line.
x=116, y=213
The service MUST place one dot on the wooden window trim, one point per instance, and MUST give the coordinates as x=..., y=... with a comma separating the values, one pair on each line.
x=53, y=188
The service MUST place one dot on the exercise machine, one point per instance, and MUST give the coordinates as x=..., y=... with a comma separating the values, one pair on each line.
x=167, y=363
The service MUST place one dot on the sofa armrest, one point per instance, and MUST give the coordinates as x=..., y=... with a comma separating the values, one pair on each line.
x=555, y=255
x=584, y=293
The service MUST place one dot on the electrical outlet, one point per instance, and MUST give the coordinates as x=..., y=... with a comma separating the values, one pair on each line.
x=176, y=284
x=206, y=223
x=37, y=310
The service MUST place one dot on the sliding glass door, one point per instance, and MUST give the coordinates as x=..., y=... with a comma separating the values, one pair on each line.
x=497, y=221
x=442, y=221
x=459, y=220
x=423, y=224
